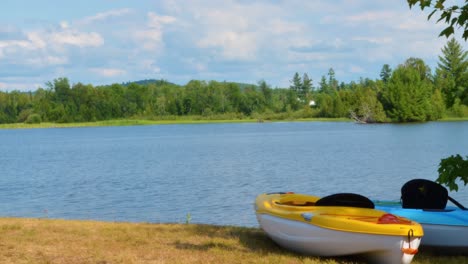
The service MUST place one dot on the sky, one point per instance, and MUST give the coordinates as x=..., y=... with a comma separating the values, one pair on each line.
x=102, y=42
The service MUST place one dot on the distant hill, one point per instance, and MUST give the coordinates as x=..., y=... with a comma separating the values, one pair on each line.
x=149, y=81
x=242, y=86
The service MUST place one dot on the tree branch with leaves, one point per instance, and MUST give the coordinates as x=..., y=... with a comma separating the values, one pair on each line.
x=451, y=170
x=452, y=15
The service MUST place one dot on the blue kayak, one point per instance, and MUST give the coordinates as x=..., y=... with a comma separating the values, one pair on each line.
x=450, y=216
x=424, y=201
x=443, y=228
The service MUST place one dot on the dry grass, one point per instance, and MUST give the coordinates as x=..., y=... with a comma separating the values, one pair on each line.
x=64, y=241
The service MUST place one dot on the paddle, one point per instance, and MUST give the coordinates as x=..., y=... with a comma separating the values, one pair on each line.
x=457, y=203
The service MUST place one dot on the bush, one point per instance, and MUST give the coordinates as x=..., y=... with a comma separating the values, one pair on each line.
x=33, y=119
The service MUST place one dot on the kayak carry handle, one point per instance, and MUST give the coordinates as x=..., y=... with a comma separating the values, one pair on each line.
x=409, y=250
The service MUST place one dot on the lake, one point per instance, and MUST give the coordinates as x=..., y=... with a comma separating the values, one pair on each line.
x=213, y=172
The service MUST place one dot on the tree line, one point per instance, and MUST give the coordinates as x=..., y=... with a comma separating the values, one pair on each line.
x=411, y=92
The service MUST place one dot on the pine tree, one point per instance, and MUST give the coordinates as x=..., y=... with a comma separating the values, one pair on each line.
x=332, y=82
x=306, y=86
x=385, y=73
x=296, y=83
x=324, y=88
x=452, y=72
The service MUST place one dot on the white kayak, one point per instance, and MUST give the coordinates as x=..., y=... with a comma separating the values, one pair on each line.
x=306, y=224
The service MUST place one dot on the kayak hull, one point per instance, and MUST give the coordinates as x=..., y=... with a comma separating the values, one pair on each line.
x=297, y=222
x=312, y=240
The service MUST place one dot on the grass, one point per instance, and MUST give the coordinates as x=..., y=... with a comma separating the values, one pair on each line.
x=182, y=120
x=134, y=122
x=24, y=240
x=455, y=119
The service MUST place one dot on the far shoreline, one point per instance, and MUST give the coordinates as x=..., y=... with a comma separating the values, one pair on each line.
x=143, y=122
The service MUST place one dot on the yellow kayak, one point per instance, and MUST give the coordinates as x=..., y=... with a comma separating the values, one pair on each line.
x=339, y=224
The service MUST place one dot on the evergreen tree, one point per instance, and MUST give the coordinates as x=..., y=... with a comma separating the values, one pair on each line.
x=452, y=72
x=332, y=82
x=296, y=83
x=306, y=87
x=323, y=86
x=385, y=73
x=266, y=92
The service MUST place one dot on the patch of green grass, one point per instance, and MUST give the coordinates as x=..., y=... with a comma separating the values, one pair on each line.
x=136, y=122
x=454, y=119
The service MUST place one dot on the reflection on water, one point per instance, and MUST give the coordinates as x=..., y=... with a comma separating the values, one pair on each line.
x=214, y=171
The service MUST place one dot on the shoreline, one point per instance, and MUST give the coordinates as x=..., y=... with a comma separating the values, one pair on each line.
x=143, y=122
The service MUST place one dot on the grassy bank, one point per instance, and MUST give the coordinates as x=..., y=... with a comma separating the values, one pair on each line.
x=65, y=241
x=135, y=122
x=182, y=120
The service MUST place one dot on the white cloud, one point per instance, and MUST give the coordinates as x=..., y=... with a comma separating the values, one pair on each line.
x=75, y=38
x=375, y=40
x=156, y=21
x=105, y=15
x=150, y=66
x=64, y=25
x=17, y=85
x=356, y=69
x=108, y=72
x=372, y=16
x=36, y=39
x=15, y=44
x=151, y=38
x=234, y=45
x=45, y=60
x=280, y=27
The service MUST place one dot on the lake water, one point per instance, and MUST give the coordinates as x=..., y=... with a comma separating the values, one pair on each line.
x=213, y=172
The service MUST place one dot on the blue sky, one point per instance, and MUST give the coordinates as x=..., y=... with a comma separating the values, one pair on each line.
x=113, y=41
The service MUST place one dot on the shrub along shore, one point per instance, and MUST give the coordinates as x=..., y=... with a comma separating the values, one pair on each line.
x=26, y=240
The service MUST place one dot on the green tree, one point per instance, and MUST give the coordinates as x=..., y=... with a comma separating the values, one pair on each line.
x=438, y=105
x=452, y=72
x=366, y=107
x=453, y=15
x=407, y=96
x=266, y=92
x=323, y=86
x=296, y=83
x=420, y=66
x=306, y=86
x=385, y=73
x=332, y=81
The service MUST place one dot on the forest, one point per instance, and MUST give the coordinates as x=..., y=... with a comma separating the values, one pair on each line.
x=411, y=92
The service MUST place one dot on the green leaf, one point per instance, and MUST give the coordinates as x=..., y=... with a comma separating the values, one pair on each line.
x=432, y=13
x=447, y=32
x=462, y=18
x=440, y=4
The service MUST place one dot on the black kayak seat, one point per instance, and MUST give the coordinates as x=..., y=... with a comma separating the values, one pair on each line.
x=423, y=194
x=346, y=199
